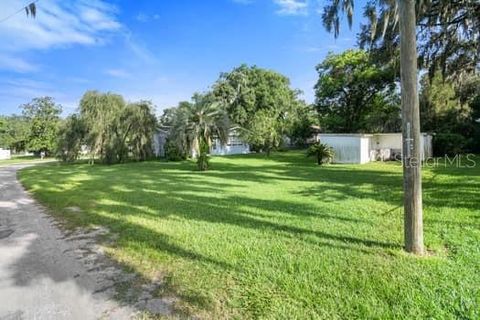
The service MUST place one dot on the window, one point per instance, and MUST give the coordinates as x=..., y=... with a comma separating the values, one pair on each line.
x=235, y=141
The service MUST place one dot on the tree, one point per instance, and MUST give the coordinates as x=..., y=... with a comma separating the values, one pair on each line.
x=4, y=143
x=247, y=91
x=265, y=132
x=468, y=93
x=14, y=133
x=450, y=110
x=100, y=113
x=3, y=124
x=353, y=93
x=448, y=31
x=441, y=109
x=31, y=9
x=301, y=128
x=71, y=137
x=322, y=152
x=410, y=110
x=141, y=123
x=43, y=115
x=116, y=131
x=168, y=117
x=197, y=123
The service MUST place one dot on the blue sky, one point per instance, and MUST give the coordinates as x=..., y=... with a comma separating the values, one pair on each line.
x=162, y=51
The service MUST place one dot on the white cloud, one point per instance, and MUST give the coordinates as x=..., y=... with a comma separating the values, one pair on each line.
x=325, y=48
x=243, y=1
x=17, y=91
x=143, y=17
x=118, y=73
x=292, y=7
x=57, y=24
x=12, y=63
x=311, y=49
x=141, y=52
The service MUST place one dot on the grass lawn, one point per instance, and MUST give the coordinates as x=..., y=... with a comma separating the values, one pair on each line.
x=281, y=237
x=22, y=159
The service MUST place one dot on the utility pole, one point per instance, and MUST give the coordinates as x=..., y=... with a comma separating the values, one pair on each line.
x=412, y=164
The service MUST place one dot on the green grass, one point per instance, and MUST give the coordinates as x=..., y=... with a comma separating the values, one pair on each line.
x=22, y=159
x=281, y=237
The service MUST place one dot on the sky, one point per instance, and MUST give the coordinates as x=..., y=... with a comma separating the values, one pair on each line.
x=162, y=51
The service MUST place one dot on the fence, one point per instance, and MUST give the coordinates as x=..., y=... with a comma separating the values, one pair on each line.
x=4, y=154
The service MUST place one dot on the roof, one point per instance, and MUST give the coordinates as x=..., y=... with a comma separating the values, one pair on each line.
x=366, y=134
x=346, y=134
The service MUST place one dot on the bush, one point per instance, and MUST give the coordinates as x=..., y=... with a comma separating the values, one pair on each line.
x=449, y=144
x=173, y=152
x=322, y=152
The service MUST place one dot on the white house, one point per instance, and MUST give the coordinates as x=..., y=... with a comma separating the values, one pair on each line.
x=363, y=148
x=234, y=145
x=159, y=141
x=5, y=154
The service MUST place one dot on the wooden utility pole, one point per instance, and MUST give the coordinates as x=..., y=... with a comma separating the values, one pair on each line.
x=412, y=164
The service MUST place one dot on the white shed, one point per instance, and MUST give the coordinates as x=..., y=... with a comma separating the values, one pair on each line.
x=349, y=148
x=5, y=154
x=363, y=148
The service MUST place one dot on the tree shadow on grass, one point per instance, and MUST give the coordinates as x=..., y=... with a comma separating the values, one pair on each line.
x=189, y=193
x=176, y=191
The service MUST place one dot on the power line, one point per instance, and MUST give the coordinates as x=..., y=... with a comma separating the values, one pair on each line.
x=18, y=11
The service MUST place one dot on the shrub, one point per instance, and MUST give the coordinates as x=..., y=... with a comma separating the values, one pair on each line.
x=448, y=144
x=173, y=152
x=322, y=152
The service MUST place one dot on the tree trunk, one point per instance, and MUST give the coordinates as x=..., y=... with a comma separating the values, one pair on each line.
x=411, y=129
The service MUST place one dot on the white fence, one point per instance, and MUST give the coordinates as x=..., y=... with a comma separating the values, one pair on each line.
x=5, y=154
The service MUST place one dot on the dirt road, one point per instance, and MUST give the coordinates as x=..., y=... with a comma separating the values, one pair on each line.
x=45, y=274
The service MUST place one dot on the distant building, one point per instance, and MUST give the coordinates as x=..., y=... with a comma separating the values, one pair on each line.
x=5, y=154
x=159, y=141
x=363, y=148
x=234, y=145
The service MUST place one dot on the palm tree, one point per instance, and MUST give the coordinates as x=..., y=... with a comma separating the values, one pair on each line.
x=197, y=124
x=31, y=9
x=322, y=152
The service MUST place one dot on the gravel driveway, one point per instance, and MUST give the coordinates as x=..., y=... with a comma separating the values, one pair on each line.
x=45, y=274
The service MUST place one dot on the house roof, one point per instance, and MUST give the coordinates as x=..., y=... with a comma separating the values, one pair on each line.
x=345, y=134
x=366, y=134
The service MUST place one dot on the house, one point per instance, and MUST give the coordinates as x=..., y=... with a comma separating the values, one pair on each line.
x=234, y=145
x=5, y=154
x=363, y=148
x=159, y=141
